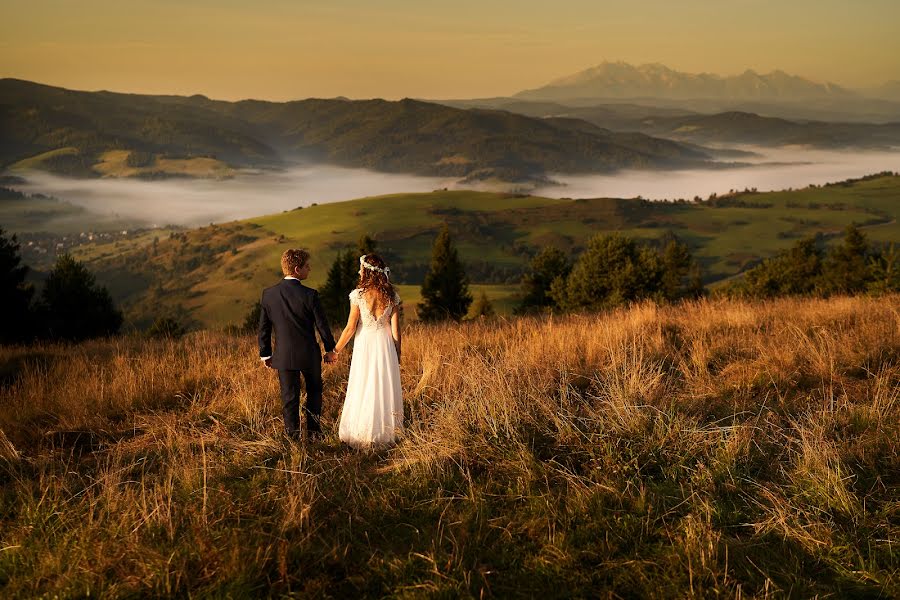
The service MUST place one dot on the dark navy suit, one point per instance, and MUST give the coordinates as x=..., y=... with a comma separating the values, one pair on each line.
x=295, y=312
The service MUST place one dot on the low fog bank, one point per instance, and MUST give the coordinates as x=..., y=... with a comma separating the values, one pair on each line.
x=194, y=202
x=772, y=169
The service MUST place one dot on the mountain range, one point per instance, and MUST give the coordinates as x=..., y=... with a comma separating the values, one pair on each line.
x=775, y=94
x=622, y=80
x=93, y=133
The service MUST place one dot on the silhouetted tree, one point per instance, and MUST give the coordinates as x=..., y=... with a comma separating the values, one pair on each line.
x=73, y=306
x=15, y=293
x=341, y=280
x=445, y=291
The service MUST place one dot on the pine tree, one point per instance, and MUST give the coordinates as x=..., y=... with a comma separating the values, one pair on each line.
x=73, y=306
x=797, y=270
x=845, y=269
x=548, y=265
x=680, y=275
x=366, y=245
x=483, y=308
x=445, y=290
x=15, y=293
x=341, y=280
x=612, y=270
x=884, y=265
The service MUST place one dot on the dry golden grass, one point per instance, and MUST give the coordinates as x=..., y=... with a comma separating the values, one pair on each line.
x=717, y=448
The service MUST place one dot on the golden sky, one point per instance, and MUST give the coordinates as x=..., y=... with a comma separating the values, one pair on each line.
x=290, y=49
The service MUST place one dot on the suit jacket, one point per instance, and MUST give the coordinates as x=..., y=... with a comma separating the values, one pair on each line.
x=295, y=312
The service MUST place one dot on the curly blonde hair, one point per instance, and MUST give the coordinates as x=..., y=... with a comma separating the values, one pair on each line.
x=293, y=259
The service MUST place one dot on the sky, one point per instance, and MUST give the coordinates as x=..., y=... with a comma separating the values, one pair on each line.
x=291, y=49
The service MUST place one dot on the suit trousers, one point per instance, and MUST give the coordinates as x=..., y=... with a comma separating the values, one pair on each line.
x=290, y=399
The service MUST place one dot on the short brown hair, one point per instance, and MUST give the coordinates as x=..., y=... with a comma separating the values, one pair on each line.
x=293, y=259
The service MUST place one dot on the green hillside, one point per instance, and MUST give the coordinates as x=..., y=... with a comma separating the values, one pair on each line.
x=212, y=275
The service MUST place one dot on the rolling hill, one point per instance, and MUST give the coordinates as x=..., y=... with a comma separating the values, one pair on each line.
x=731, y=127
x=83, y=133
x=212, y=275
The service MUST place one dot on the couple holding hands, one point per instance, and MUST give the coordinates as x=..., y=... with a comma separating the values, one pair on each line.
x=373, y=407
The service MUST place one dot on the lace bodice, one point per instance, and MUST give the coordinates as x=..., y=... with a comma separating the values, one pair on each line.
x=369, y=320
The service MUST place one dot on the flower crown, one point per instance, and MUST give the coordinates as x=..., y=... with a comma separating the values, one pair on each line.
x=386, y=270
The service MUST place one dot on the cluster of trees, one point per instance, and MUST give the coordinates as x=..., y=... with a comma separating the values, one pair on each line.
x=342, y=279
x=612, y=270
x=71, y=305
x=853, y=266
x=445, y=290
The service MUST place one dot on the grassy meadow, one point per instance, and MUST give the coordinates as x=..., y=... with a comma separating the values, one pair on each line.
x=710, y=449
x=212, y=275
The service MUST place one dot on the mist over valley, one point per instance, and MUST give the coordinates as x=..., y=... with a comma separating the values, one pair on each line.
x=114, y=202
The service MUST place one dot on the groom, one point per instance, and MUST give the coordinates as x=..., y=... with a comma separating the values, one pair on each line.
x=295, y=311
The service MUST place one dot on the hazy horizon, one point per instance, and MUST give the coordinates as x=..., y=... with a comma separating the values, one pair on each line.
x=279, y=50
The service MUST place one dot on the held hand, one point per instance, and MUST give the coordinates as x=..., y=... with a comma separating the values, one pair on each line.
x=330, y=357
x=268, y=363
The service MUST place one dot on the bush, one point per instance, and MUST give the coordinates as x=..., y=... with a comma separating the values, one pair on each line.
x=166, y=327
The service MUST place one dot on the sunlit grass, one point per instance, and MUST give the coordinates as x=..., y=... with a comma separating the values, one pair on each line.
x=716, y=448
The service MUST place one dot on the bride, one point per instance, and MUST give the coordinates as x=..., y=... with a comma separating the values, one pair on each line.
x=373, y=408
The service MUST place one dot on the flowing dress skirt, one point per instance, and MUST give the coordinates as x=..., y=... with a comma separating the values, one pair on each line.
x=373, y=408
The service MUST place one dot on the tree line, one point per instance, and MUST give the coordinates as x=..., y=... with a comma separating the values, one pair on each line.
x=612, y=270
x=809, y=268
x=71, y=306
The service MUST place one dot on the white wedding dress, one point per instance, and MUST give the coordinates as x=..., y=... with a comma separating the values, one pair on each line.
x=373, y=408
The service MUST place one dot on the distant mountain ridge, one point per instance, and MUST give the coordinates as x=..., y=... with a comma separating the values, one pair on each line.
x=622, y=80
x=86, y=133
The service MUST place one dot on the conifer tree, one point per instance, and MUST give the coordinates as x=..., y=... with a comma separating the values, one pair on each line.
x=343, y=275
x=612, y=270
x=15, y=293
x=483, y=308
x=73, y=306
x=680, y=274
x=846, y=268
x=797, y=270
x=445, y=290
x=884, y=265
x=548, y=265
x=341, y=280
